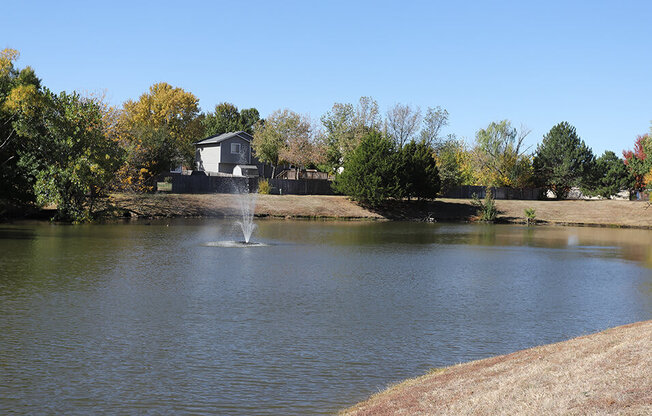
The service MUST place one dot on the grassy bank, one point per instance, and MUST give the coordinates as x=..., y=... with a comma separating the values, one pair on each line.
x=596, y=213
x=603, y=213
x=600, y=374
x=227, y=205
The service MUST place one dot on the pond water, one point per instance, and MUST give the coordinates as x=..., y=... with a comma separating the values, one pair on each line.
x=137, y=318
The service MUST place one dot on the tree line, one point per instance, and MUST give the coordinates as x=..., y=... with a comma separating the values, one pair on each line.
x=68, y=149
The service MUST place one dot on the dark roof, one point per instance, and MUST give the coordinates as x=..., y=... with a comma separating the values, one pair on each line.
x=218, y=138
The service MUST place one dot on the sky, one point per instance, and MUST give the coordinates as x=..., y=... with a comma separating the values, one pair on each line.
x=535, y=63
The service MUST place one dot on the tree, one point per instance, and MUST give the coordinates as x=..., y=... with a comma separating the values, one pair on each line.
x=249, y=117
x=610, y=176
x=20, y=96
x=345, y=125
x=638, y=163
x=282, y=129
x=402, y=123
x=370, y=173
x=149, y=153
x=499, y=155
x=417, y=171
x=563, y=160
x=169, y=108
x=71, y=159
x=227, y=118
x=433, y=121
x=299, y=148
x=339, y=135
x=454, y=163
x=367, y=116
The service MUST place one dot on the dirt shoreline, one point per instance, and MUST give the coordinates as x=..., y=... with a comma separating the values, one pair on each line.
x=593, y=213
x=606, y=373
x=599, y=213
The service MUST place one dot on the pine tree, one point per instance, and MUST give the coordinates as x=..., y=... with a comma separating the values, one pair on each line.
x=563, y=160
x=370, y=172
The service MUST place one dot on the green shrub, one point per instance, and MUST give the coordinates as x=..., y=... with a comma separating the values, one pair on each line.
x=530, y=215
x=487, y=210
x=263, y=186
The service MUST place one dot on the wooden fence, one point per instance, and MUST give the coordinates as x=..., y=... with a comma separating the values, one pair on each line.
x=467, y=191
x=200, y=183
x=301, y=186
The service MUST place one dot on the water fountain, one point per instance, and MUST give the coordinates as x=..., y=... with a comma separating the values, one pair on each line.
x=246, y=204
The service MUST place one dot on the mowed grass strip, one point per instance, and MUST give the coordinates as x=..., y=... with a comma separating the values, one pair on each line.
x=608, y=373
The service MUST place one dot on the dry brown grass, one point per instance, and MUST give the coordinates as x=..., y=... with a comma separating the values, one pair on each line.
x=590, y=212
x=608, y=373
x=221, y=205
x=601, y=213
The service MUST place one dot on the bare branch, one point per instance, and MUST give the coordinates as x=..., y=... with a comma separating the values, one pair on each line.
x=434, y=120
x=402, y=123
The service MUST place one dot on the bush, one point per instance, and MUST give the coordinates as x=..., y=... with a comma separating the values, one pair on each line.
x=487, y=210
x=263, y=186
x=530, y=215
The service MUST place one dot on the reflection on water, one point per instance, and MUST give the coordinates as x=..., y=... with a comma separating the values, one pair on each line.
x=137, y=318
x=630, y=244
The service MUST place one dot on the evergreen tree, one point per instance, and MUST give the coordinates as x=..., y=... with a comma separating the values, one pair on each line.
x=370, y=172
x=610, y=176
x=563, y=160
x=418, y=172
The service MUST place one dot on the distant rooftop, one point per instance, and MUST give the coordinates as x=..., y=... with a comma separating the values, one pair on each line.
x=218, y=138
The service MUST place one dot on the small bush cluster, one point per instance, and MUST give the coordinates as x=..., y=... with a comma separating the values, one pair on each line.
x=530, y=216
x=487, y=210
x=263, y=186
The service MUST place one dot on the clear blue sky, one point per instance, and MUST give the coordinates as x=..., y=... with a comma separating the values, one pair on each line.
x=534, y=63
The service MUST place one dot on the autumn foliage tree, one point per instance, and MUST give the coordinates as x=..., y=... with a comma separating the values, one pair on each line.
x=639, y=162
x=454, y=163
x=286, y=137
x=158, y=131
x=500, y=156
x=20, y=96
x=69, y=155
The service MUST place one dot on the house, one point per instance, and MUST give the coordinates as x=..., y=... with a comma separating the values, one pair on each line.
x=225, y=154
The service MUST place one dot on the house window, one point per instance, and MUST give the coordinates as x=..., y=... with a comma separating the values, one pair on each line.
x=235, y=148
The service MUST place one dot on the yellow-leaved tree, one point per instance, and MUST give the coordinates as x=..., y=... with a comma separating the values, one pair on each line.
x=500, y=158
x=158, y=131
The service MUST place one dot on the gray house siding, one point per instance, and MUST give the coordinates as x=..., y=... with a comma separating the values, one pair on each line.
x=215, y=154
x=242, y=158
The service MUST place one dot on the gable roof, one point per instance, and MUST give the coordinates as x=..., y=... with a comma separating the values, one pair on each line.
x=218, y=138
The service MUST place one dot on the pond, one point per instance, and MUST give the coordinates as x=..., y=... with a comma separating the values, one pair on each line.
x=150, y=317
